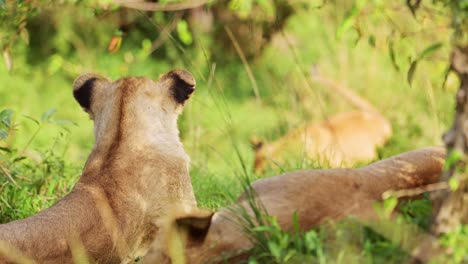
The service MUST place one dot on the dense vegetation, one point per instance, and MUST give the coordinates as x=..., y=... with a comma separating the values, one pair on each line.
x=394, y=56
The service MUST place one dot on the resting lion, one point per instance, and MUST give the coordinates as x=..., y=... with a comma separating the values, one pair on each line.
x=341, y=140
x=136, y=171
x=316, y=195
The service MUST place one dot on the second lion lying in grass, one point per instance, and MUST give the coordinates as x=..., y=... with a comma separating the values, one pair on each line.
x=315, y=195
x=342, y=140
x=339, y=141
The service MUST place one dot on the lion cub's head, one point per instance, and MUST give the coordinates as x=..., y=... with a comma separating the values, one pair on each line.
x=134, y=106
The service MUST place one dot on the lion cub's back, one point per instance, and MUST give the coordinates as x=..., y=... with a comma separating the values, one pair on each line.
x=340, y=141
x=354, y=137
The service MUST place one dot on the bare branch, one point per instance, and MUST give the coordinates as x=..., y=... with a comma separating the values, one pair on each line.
x=150, y=6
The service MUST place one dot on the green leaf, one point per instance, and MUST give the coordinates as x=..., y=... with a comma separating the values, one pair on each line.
x=371, y=40
x=55, y=63
x=344, y=26
x=453, y=183
x=446, y=74
x=274, y=249
x=184, y=33
x=47, y=115
x=18, y=159
x=267, y=7
x=348, y=22
x=413, y=6
x=242, y=8
x=389, y=204
x=2, y=3
x=291, y=253
x=64, y=123
x=452, y=158
x=295, y=222
x=51, y=189
x=5, y=117
x=3, y=134
x=311, y=240
x=411, y=70
x=32, y=119
x=261, y=229
x=391, y=51
x=5, y=149
x=429, y=50
x=118, y=32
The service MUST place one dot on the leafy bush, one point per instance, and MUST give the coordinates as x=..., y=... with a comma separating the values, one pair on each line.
x=31, y=180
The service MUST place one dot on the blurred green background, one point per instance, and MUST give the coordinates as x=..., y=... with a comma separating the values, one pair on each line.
x=366, y=45
x=395, y=59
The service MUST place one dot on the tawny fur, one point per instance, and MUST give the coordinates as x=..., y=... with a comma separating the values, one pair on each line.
x=316, y=195
x=137, y=170
x=339, y=141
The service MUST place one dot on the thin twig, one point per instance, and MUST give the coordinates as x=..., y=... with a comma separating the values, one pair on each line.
x=185, y=60
x=23, y=178
x=3, y=186
x=30, y=140
x=165, y=33
x=416, y=191
x=8, y=175
x=244, y=62
x=150, y=6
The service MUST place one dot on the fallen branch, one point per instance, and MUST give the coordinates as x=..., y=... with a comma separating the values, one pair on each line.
x=150, y=6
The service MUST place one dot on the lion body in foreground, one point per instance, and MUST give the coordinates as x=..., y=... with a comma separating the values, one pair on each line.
x=137, y=170
x=315, y=195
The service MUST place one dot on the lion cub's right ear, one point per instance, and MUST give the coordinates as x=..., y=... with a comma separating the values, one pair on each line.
x=83, y=87
x=256, y=143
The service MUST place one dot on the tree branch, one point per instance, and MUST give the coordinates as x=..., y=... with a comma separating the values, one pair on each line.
x=151, y=6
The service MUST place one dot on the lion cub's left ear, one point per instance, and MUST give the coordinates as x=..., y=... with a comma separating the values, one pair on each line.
x=182, y=86
x=83, y=90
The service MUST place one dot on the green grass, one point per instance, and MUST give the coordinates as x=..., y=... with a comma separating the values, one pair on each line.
x=223, y=114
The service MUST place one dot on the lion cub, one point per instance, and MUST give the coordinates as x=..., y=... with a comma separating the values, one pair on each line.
x=136, y=172
x=340, y=141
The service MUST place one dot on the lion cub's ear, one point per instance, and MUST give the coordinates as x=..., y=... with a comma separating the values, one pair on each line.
x=256, y=143
x=83, y=89
x=182, y=86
